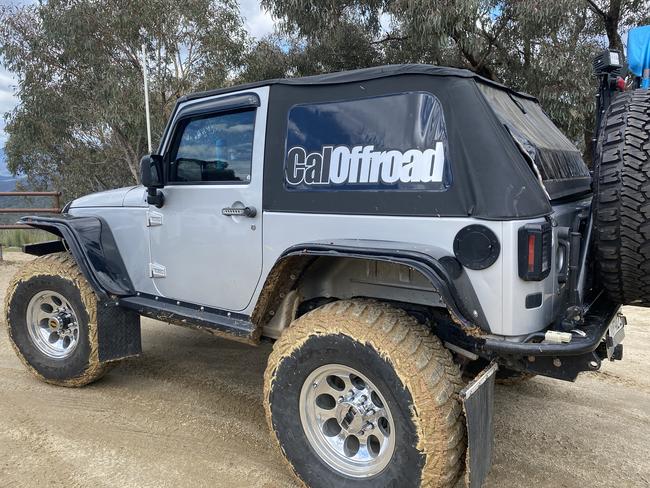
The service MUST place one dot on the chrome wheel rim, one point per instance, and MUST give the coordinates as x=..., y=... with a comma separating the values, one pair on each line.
x=52, y=324
x=347, y=421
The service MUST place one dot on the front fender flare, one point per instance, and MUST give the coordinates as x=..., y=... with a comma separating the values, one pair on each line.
x=91, y=243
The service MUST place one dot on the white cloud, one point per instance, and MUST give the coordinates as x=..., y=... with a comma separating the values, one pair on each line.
x=8, y=100
x=259, y=22
x=385, y=21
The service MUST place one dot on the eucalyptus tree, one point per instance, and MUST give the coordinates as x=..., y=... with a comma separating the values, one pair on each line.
x=542, y=47
x=80, y=123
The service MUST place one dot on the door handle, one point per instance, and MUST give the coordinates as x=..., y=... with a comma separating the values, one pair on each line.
x=239, y=212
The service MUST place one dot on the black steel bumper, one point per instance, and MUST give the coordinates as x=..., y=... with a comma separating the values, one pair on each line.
x=585, y=352
x=596, y=321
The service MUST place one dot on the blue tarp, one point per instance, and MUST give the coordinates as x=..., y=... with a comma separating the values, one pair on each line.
x=638, y=49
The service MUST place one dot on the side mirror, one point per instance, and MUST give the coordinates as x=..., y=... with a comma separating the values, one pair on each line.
x=151, y=175
x=151, y=171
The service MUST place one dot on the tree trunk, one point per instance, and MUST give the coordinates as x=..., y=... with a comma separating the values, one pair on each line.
x=130, y=156
x=612, y=19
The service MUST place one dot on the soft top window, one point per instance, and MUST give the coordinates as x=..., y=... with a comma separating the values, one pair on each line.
x=396, y=141
x=556, y=160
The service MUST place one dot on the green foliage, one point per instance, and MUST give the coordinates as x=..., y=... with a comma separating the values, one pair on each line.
x=79, y=127
x=541, y=47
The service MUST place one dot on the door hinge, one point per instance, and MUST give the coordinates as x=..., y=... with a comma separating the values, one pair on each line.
x=157, y=270
x=154, y=218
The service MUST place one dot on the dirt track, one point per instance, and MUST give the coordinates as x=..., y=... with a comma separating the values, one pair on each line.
x=189, y=413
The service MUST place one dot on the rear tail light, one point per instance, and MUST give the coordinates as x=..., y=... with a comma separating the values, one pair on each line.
x=535, y=251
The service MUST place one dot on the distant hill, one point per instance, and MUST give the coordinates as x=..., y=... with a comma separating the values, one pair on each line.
x=3, y=163
x=7, y=183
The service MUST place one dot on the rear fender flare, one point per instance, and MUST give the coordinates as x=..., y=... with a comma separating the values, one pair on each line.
x=445, y=274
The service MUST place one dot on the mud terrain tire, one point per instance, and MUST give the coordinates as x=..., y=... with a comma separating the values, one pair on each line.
x=622, y=199
x=59, y=275
x=411, y=369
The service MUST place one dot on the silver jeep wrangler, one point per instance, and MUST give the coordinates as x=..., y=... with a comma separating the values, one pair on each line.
x=401, y=233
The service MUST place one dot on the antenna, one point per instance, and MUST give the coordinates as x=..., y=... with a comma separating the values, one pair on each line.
x=146, y=95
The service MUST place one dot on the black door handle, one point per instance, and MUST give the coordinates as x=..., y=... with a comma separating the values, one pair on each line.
x=239, y=212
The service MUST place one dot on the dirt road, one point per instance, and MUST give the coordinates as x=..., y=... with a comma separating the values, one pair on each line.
x=189, y=413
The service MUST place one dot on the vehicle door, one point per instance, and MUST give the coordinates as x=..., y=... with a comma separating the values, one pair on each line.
x=206, y=239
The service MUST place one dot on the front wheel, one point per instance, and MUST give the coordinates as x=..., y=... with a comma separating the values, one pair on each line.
x=51, y=317
x=357, y=393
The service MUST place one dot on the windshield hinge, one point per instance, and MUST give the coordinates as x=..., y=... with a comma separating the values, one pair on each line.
x=157, y=270
x=154, y=218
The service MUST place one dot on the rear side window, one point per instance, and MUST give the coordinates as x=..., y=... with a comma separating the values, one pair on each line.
x=392, y=142
x=213, y=148
x=556, y=160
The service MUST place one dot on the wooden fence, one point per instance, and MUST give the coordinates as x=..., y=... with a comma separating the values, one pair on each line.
x=20, y=212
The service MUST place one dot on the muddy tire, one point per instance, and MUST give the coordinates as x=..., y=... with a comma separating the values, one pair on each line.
x=51, y=315
x=359, y=394
x=622, y=199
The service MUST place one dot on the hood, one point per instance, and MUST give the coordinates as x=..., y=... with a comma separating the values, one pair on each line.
x=119, y=197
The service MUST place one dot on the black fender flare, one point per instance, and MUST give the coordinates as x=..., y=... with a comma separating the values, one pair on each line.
x=91, y=243
x=444, y=273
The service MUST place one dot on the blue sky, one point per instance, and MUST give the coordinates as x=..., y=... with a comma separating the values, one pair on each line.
x=7, y=102
x=258, y=22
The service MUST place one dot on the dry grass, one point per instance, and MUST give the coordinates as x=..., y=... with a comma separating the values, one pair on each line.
x=20, y=237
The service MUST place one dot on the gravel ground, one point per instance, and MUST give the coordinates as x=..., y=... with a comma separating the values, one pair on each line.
x=189, y=413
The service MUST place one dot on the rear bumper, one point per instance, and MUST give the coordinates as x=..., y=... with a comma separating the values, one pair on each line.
x=597, y=318
x=585, y=352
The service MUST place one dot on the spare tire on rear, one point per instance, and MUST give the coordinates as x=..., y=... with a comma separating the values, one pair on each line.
x=622, y=199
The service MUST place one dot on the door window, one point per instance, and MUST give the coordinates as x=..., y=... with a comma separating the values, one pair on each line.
x=213, y=148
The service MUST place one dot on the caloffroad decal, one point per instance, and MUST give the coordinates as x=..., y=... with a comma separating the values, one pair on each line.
x=364, y=167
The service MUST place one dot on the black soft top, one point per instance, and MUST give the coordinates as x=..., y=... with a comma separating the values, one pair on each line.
x=357, y=75
x=506, y=159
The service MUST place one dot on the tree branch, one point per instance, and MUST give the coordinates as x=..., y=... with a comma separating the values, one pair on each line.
x=596, y=9
x=389, y=38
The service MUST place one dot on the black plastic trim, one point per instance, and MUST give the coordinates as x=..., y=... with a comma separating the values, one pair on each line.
x=430, y=268
x=534, y=300
x=223, y=104
x=567, y=188
x=181, y=313
x=43, y=248
x=91, y=243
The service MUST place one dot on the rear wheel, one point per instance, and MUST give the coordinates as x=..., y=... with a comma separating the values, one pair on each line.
x=51, y=313
x=622, y=199
x=357, y=393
